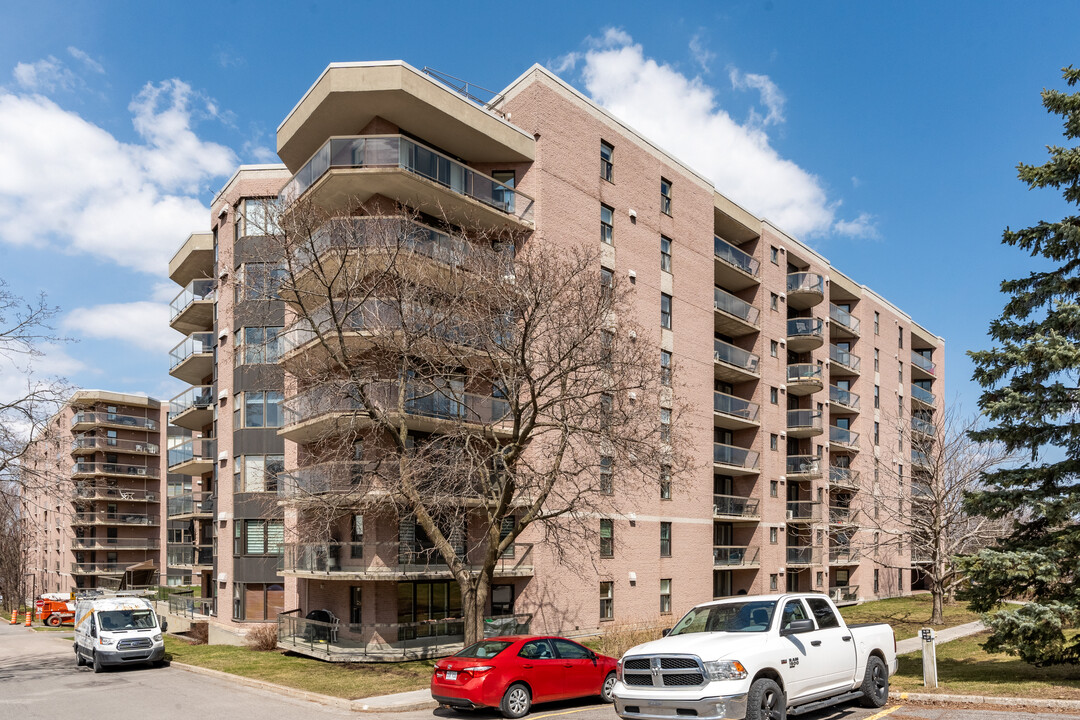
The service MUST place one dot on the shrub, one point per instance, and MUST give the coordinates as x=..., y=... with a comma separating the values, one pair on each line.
x=199, y=633
x=262, y=637
x=621, y=636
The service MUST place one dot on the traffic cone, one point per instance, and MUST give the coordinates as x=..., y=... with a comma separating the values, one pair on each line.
x=15, y=617
x=29, y=615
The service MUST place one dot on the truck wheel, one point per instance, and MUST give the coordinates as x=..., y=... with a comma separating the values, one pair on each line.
x=766, y=701
x=516, y=702
x=875, y=684
x=53, y=621
x=607, y=687
x=98, y=667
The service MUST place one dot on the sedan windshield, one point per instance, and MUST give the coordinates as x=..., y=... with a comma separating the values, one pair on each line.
x=484, y=649
x=127, y=620
x=754, y=616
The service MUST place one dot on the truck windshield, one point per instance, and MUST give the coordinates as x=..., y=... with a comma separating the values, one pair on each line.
x=753, y=616
x=127, y=620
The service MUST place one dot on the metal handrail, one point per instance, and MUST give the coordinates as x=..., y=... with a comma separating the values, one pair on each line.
x=111, y=444
x=844, y=318
x=734, y=556
x=108, y=418
x=734, y=256
x=843, y=357
x=735, y=506
x=843, y=436
x=805, y=327
x=801, y=372
x=923, y=362
x=803, y=465
x=736, y=456
x=728, y=303
x=195, y=449
x=843, y=397
x=805, y=282
x=924, y=395
x=194, y=291
x=804, y=419
x=737, y=357
x=735, y=406
x=120, y=469
x=199, y=343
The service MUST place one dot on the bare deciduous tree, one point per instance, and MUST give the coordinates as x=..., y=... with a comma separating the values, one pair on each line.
x=480, y=385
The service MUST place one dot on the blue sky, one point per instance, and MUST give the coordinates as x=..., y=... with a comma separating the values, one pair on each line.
x=884, y=137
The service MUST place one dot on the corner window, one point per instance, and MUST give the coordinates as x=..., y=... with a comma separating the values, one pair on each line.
x=259, y=409
x=607, y=161
x=607, y=225
x=665, y=196
x=260, y=281
x=258, y=345
x=257, y=473
x=260, y=537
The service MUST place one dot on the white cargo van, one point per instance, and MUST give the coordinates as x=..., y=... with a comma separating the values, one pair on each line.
x=117, y=631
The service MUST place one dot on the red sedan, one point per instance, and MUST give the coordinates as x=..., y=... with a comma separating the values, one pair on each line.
x=511, y=673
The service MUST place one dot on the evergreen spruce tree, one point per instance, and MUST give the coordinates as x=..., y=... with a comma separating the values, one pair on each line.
x=1031, y=397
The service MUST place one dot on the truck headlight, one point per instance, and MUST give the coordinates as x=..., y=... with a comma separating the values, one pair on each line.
x=725, y=670
x=157, y=638
x=106, y=641
x=618, y=670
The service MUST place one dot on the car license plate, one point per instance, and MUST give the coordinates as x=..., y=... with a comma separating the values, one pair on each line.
x=451, y=674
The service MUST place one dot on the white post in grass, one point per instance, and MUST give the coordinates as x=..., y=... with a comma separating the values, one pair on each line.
x=929, y=658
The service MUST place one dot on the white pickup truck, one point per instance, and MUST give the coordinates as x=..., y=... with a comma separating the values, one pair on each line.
x=759, y=657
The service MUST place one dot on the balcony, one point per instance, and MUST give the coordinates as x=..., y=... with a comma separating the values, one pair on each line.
x=325, y=478
x=803, y=511
x=194, y=259
x=804, y=379
x=733, y=364
x=194, y=408
x=921, y=426
x=805, y=290
x=735, y=460
x=387, y=561
x=99, y=568
x=803, y=467
x=921, y=460
x=105, y=517
x=843, y=439
x=192, y=310
x=191, y=505
x=732, y=268
x=188, y=556
x=193, y=359
x=87, y=420
x=843, y=477
x=803, y=555
x=734, y=508
x=92, y=469
x=843, y=555
x=194, y=457
x=735, y=557
x=844, y=594
x=105, y=543
x=734, y=413
x=804, y=423
x=733, y=316
x=922, y=367
x=347, y=171
x=85, y=491
x=805, y=334
x=843, y=323
x=923, y=397
x=90, y=444
x=843, y=401
x=842, y=516
x=323, y=412
x=841, y=362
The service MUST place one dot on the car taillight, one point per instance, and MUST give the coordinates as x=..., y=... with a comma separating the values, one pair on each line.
x=478, y=669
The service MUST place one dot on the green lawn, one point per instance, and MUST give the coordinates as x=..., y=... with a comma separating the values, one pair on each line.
x=907, y=615
x=964, y=668
x=343, y=680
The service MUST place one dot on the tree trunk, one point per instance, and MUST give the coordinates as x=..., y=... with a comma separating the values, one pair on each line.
x=937, y=616
x=474, y=594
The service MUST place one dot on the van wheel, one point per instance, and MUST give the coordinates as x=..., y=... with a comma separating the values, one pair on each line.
x=766, y=701
x=98, y=667
x=875, y=684
x=79, y=662
x=516, y=702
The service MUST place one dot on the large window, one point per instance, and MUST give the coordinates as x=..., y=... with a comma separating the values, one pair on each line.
x=258, y=537
x=257, y=473
x=258, y=409
x=258, y=345
x=259, y=281
x=257, y=601
x=257, y=216
x=422, y=602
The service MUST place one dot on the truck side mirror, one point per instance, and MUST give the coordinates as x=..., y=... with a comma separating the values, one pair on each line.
x=664, y=632
x=93, y=631
x=797, y=626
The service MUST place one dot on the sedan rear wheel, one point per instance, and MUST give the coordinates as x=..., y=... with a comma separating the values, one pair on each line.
x=516, y=701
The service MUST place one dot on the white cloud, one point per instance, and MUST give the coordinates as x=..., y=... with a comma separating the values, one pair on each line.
x=68, y=183
x=86, y=60
x=862, y=227
x=46, y=75
x=144, y=324
x=701, y=54
x=18, y=374
x=683, y=115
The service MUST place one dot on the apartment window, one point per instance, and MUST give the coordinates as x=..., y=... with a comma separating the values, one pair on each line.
x=260, y=281
x=665, y=482
x=607, y=407
x=665, y=253
x=607, y=538
x=773, y=487
x=901, y=338
x=257, y=473
x=665, y=596
x=258, y=601
x=820, y=579
x=877, y=397
x=877, y=360
x=607, y=161
x=665, y=425
x=260, y=537
x=773, y=441
x=900, y=406
x=607, y=282
x=774, y=395
x=774, y=348
x=877, y=433
x=900, y=580
x=900, y=373
x=665, y=539
x=774, y=301
x=607, y=600
x=877, y=323
x=665, y=368
x=256, y=217
x=258, y=345
x=607, y=225
x=665, y=196
x=607, y=486
x=665, y=311
x=774, y=255
x=772, y=582
x=258, y=409
x=774, y=536
x=877, y=583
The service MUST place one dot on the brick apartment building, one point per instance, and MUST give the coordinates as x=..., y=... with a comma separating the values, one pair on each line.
x=93, y=502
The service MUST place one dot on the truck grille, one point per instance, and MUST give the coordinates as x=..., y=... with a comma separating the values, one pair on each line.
x=134, y=644
x=663, y=671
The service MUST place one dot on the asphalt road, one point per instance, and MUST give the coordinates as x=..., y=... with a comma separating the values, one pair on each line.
x=39, y=681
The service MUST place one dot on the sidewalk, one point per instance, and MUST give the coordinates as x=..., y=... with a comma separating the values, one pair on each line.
x=941, y=636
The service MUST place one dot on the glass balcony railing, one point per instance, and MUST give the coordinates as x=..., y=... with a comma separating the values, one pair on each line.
x=110, y=491
x=395, y=151
x=726, y=302
x=330, y=477
x=735, y=407
x=843, y=436
x=111, y=517
x=446, y=403
x=737, y=357
x=922, y=426
x=803, y=465
x=200, y=343
x=923, y=362
x=121, y=469
x=804, y=419
x=734, y=256
x=840, y=515
x=188, y=555
x=735, y=506
x=111, y=444
x=199, y=397
x=805, y=327
x=845, y=477
x=803, y=510
x=108, y=418
x=843, y=554
x=803, y=372
x=922, y=395
x=843, y=397
x=805, y=282
x=801, y=555
x=843, y=357
x=195, y=449
x=392, y=233
x=734, y=556
x=202, y=289
x=193, y=503
x=844, y=593
x=387, y=557
x=843, y=317
x=107, y=543
x=920, y=459
x=735, y=456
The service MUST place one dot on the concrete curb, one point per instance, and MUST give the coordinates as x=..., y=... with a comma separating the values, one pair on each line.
x=400, y=702
x=935, y=699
